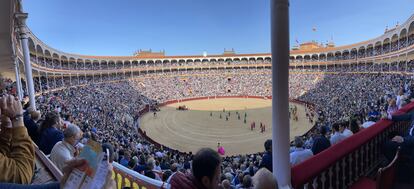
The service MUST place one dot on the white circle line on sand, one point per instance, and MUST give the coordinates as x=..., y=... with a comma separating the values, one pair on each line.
x=190, y=130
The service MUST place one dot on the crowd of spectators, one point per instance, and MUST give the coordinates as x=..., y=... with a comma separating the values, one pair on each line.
x=107, y=112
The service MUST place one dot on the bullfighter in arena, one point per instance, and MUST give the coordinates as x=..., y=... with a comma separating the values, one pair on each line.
x=220, y=149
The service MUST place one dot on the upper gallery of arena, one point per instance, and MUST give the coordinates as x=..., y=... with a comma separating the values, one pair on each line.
x=396, y=44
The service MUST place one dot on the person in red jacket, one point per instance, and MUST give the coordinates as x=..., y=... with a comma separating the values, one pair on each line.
x=205, y=172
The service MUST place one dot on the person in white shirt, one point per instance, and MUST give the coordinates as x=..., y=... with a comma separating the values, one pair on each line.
x=65, y=150
x=337, y=136
x=139, y=146
x=344, y=130
x=392, y=107
x=299, y=154
x=400, y=98
x=369, y=123
x=159, y=154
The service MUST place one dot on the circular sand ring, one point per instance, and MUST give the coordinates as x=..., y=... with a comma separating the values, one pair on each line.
x=201, y=126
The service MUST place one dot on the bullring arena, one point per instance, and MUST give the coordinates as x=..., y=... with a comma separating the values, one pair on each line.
x=190, y=130
x=153, y=108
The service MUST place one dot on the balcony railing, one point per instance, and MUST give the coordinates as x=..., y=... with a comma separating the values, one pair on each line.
x=45, y=171
x=344, y=163
x=125, y=177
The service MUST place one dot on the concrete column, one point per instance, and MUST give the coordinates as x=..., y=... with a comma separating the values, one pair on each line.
x=54, y=81
x=398, y=43
x=19, y=89
x=406, y=64
x=279, y=10
x=398, y=66
x=47, y=82
x=40, y=75
x=132, y=70
x=63, y=80
x=20, y=80
x=17, y=74
x=40, y=82
x=21, y=17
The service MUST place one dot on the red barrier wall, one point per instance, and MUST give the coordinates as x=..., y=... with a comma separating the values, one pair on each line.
x=312, y=167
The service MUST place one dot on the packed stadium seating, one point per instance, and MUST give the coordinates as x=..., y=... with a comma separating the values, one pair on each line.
x=106, y=111
x=355, y=88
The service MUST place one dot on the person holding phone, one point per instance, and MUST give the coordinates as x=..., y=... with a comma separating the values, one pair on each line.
x=17, y=155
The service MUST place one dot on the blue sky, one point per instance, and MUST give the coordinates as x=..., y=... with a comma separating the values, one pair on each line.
x=189, y=27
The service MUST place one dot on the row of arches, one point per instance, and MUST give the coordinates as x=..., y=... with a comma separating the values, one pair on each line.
x=354, y=53
x=397, y=41
x=49, y=58
x=63, y=62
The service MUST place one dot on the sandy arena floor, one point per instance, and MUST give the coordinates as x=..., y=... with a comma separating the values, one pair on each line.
x=193, y=129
